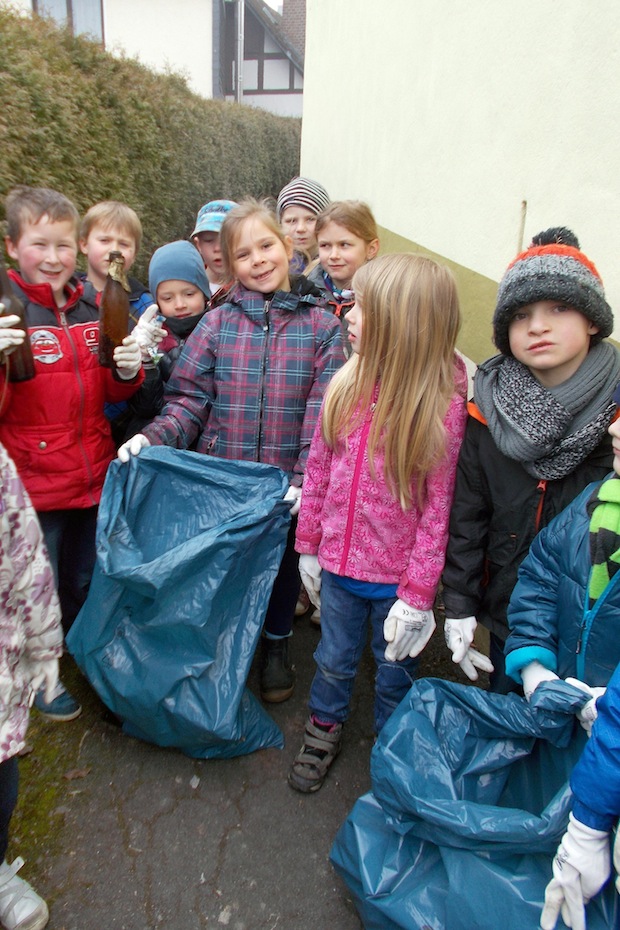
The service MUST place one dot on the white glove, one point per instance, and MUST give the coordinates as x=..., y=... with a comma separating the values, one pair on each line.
x=459, y=636
x=128, y=358
x=310, y=572
x=407, y=631
x=294, y=494
x=148, y=332
x=132, y=447
x=580, y=869
x=44, y=674
x=534, y=674
x=588, y=713
x=10, y=337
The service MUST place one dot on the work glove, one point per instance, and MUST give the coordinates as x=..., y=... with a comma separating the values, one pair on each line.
x=580, y=869
x=128, y=358
x=10, y=337
x=534, y=674
x=294, y=495
x=132, y=447
x=588, y=713
x=310, y=572
x=148, y=333
x=459, y=636
x=407, y=631
x=44, y=675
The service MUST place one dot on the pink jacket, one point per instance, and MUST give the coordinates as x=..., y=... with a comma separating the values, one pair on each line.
x=357, y=527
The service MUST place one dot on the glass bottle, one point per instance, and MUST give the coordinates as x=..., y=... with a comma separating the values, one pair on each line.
x=113, y=310
x=19, y=361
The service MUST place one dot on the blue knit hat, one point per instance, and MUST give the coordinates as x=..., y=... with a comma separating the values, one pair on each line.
x=178, y=261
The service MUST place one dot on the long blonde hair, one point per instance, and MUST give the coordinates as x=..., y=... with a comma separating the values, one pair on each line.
x=410, y=322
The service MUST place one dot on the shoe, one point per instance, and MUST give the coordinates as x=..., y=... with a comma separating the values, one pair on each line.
x=322, y=743
x=303, y=603
x=315, y=617
x=61, y=708
x=277, y=675
x=21, y=908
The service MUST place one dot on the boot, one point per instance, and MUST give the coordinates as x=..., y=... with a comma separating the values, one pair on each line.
x=277, y=675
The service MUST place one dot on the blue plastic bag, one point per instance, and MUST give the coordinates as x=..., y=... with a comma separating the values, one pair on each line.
x=188, y=547
x=470, y=799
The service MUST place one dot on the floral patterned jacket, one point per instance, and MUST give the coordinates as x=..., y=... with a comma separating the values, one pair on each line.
x=30, y=628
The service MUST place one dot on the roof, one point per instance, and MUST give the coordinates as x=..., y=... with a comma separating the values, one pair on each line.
x=272, y=21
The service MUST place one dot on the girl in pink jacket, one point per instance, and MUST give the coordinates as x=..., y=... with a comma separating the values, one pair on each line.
x=378, y=489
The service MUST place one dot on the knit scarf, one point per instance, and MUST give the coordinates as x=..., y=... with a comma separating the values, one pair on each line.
x=604, y=511
x=549, y=430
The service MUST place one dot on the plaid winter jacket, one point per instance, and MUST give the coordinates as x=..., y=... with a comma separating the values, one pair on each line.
x=250, y=380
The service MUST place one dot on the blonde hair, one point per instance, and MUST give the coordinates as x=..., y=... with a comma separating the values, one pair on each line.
x=354, y=215
x=410, y=322
x=30, y=204
x=235, y=218
x=112, y=214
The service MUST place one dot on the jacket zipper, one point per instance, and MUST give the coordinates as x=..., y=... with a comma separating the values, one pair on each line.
x=65, y=326
x=589, y=616
x=542, y=487
x=261, y=409
x=353, y=492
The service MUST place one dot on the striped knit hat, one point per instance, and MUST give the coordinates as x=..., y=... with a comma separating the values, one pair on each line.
x=302, y=192
x=551, y=268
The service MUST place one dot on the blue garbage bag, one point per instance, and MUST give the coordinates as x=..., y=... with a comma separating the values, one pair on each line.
x=188, y=547
x=469, y=800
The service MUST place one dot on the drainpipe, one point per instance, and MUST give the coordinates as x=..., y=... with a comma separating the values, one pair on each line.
x=240, y=50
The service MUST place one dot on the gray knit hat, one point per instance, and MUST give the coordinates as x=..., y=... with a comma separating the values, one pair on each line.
x=178, y=261
x=552, y=268
x=302, y=192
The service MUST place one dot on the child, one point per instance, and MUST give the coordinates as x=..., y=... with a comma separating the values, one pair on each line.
x=179, y=281
x=374, y=516
x=206, y=238
x=536, y=436
x=107, y=227
x=53, y=426
x=298, y=205
x=30, y=645
x=249, y=386
x=347, y=238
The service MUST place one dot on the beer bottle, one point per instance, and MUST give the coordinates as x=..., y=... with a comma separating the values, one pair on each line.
x=113, y=310
x=19, y=361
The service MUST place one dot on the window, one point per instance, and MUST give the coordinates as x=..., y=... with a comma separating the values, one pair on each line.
x=83, y=17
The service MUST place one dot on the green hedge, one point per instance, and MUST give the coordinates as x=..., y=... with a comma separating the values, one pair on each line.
x=95, y=127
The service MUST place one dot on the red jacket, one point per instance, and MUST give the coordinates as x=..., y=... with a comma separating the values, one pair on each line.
x=53, y=426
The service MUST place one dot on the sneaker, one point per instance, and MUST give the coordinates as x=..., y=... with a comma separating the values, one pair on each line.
x=322, y=743
x=21, y=908
x=62, y=707
x=303, y=603
x=277, y=675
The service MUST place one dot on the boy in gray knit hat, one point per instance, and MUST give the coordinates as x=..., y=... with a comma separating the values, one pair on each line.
x=535, y=437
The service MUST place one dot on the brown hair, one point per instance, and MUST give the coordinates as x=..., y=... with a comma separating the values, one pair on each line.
x=112, y=214
x=235, y=218
x=354, y=215
x=30, y=204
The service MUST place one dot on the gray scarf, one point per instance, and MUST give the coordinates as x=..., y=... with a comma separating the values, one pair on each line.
x=550, y=431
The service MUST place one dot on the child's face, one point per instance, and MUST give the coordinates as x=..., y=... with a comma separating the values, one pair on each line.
x=260, y=258
x=46, y=253
x=298, y=223
x=341, y=252
x=97, y=248
x=551, y=338
x=614, y=432
x=208, y=244
x=355, y=319
x=179, y=299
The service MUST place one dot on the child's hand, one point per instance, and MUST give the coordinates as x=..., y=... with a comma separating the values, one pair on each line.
x=533, y=675
x=44, y=674
x=132, y=447
x=407, y=631
x=149, y=332
x=294, y=495
x=128, y=358
x=589, y=712
x=10, y=337
x=459, y=636
x=310, y=572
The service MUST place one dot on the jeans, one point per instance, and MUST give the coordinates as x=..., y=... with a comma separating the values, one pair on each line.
x=9, y=780
x=344, y=630
x=281, y=607
x=70, y=540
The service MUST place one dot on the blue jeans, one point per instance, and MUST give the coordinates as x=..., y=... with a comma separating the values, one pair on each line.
x=70, y=540
x=344, y=631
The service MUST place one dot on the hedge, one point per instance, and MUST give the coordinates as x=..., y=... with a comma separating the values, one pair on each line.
x=96, y=127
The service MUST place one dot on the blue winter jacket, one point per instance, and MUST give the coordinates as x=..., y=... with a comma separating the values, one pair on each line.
x=548, y=614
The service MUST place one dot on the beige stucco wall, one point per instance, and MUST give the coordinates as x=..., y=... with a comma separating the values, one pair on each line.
x=469, y=127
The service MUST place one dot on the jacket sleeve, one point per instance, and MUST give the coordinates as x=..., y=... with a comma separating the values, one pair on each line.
x=316, y=481
x=120, y=390
x=595, y=781
x=189, y=393
x=329, y=357
x=418, y=585
x=463, y=575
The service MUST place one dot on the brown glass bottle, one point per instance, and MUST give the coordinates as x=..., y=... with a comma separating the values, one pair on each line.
x=19, y=361
x=113, y=310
